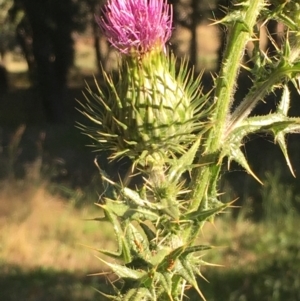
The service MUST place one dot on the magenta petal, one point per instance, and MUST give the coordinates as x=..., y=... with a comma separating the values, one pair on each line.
x=141, y=25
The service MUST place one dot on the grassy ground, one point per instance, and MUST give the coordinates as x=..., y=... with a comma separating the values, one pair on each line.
x=42, y=256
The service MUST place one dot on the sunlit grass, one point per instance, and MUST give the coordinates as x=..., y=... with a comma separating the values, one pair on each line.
x=44, y=230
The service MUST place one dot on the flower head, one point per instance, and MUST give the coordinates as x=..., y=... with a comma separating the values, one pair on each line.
x=136, y=25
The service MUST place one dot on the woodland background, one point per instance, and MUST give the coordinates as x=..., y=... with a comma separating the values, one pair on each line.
x=49, y=184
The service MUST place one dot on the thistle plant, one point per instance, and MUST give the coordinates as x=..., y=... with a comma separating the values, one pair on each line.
x=155, y=113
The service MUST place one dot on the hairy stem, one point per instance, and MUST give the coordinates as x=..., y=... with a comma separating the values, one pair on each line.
x=239, y=34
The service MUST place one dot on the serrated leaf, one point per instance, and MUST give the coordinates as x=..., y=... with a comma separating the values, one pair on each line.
x=119, y=208
x=134, y=197
x=185, y=270
x=197, y=248
x=150, y=234
x=141, y=214
x=138, y=294
x=169, y=260
x=185, y=161
x=165, y=280
x=203, y=215
x=123, y=247
x=176, y=286
x=110, y=297
x=139, y=244
x=277, y=123
x=123, y=271
x=170, y=207
x=237, y=155
x=159, y=257
x=109, y=190
x=296, y=83
x=284, y=104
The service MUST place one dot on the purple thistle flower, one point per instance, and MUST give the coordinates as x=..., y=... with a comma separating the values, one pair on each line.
x=136, y=25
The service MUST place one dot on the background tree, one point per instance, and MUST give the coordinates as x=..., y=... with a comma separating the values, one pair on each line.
x=45, y=35
x=5, y=39
x=191, y=13
x=94, y=8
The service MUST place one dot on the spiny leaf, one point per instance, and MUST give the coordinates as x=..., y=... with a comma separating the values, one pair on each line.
x=119, y=208
x=134, y=197
x=280, y=13
x=263, y=87
x=284, y=104
x=177, y=283
x=279, y=138
x=138, y=294
x=123, y=247
x=180, y=166
x=139, y=263
x=296, y=83
x=185, y=269
x=159, y=257
x=110, y=297
x=203, y=215
x=283, y=108
x=140, y=213
x=165, y=205
x=165, y=279
x=197, y=248
x=170, y=207
x=237, y=155
x=167, y=264
x=109, y=190
x=277, y=123
x=139, y=244
x=123, y=271
x=150, y=234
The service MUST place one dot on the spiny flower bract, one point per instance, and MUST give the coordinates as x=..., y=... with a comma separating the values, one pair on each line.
x=152, y=109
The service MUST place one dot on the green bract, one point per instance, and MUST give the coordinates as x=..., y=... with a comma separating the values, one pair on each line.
x=148, y=109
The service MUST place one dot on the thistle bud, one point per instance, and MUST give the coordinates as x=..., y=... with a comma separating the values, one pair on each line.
x=151, y=108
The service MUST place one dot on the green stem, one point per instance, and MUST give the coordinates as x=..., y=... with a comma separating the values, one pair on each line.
x=239, y=35
x=204, y=186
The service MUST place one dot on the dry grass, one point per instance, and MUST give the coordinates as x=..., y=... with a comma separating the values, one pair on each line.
x=42, y=230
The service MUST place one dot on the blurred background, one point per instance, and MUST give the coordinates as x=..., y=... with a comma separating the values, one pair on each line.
x=48, y=182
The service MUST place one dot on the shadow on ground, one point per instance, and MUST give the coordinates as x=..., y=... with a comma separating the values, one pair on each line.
x=276, y=280
x=46, y=285
x=270, y=279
